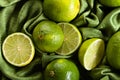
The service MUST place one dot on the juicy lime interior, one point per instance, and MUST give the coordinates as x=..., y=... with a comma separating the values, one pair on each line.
x=18, y=49
x=91, y=52
x=72, y=39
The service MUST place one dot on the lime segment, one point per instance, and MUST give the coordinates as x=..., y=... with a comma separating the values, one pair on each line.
x=91, y=52
x=18, y=49
x=72, y=39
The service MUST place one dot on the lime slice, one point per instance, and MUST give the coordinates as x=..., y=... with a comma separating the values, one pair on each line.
x=72, y=39
x=91, y=52
x=18, y=49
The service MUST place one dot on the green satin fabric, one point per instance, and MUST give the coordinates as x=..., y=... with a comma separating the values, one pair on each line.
x=93, y=20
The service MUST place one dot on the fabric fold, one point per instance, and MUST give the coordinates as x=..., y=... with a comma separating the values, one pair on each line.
x=6, y=3
x=13, y=19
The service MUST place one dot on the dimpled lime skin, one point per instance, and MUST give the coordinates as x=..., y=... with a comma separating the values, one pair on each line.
x=61, y=69
x=61, y=10
x=113, y=51
x=48, y=36
x=110, y=3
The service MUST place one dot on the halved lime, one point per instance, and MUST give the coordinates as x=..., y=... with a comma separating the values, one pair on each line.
x=91, y=53
x=18, y=49
x=72, y=39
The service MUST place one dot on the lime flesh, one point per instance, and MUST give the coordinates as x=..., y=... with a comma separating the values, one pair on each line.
x=91, y=52
x=72, y=39
x=18, y=49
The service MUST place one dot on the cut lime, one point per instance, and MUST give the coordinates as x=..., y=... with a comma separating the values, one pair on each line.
x=72, y=39
x=91, y=52
x=18, y=49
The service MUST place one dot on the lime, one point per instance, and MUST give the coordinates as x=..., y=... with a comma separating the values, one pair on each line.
x=91, y=52
x=61, y=10
x=61, y=69
x=110, y=3
x=113, y=51
x=72, y=39
x=48, y=36
x=18, y=49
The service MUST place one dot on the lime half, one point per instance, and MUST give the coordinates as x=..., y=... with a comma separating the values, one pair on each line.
x=91, y=52
x=18, y=49
x=72, y=39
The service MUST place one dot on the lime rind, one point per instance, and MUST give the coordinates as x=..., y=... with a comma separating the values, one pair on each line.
x=113, y=51
x=10, y=49
x=48, y=36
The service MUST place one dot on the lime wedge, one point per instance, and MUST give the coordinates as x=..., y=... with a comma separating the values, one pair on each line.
x=91, y=52
x=18, y=49
x=72, y=39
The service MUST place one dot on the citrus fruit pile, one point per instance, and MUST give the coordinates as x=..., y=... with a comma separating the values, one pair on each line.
x=57, y=36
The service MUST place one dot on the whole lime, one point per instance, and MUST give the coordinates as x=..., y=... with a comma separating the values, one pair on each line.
x=61, y=69
x=110, y=3
x=61, y=10
x=113, y=51
x=48, y=36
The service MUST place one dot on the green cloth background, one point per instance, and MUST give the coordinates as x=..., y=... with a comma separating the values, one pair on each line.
x=93, y=20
